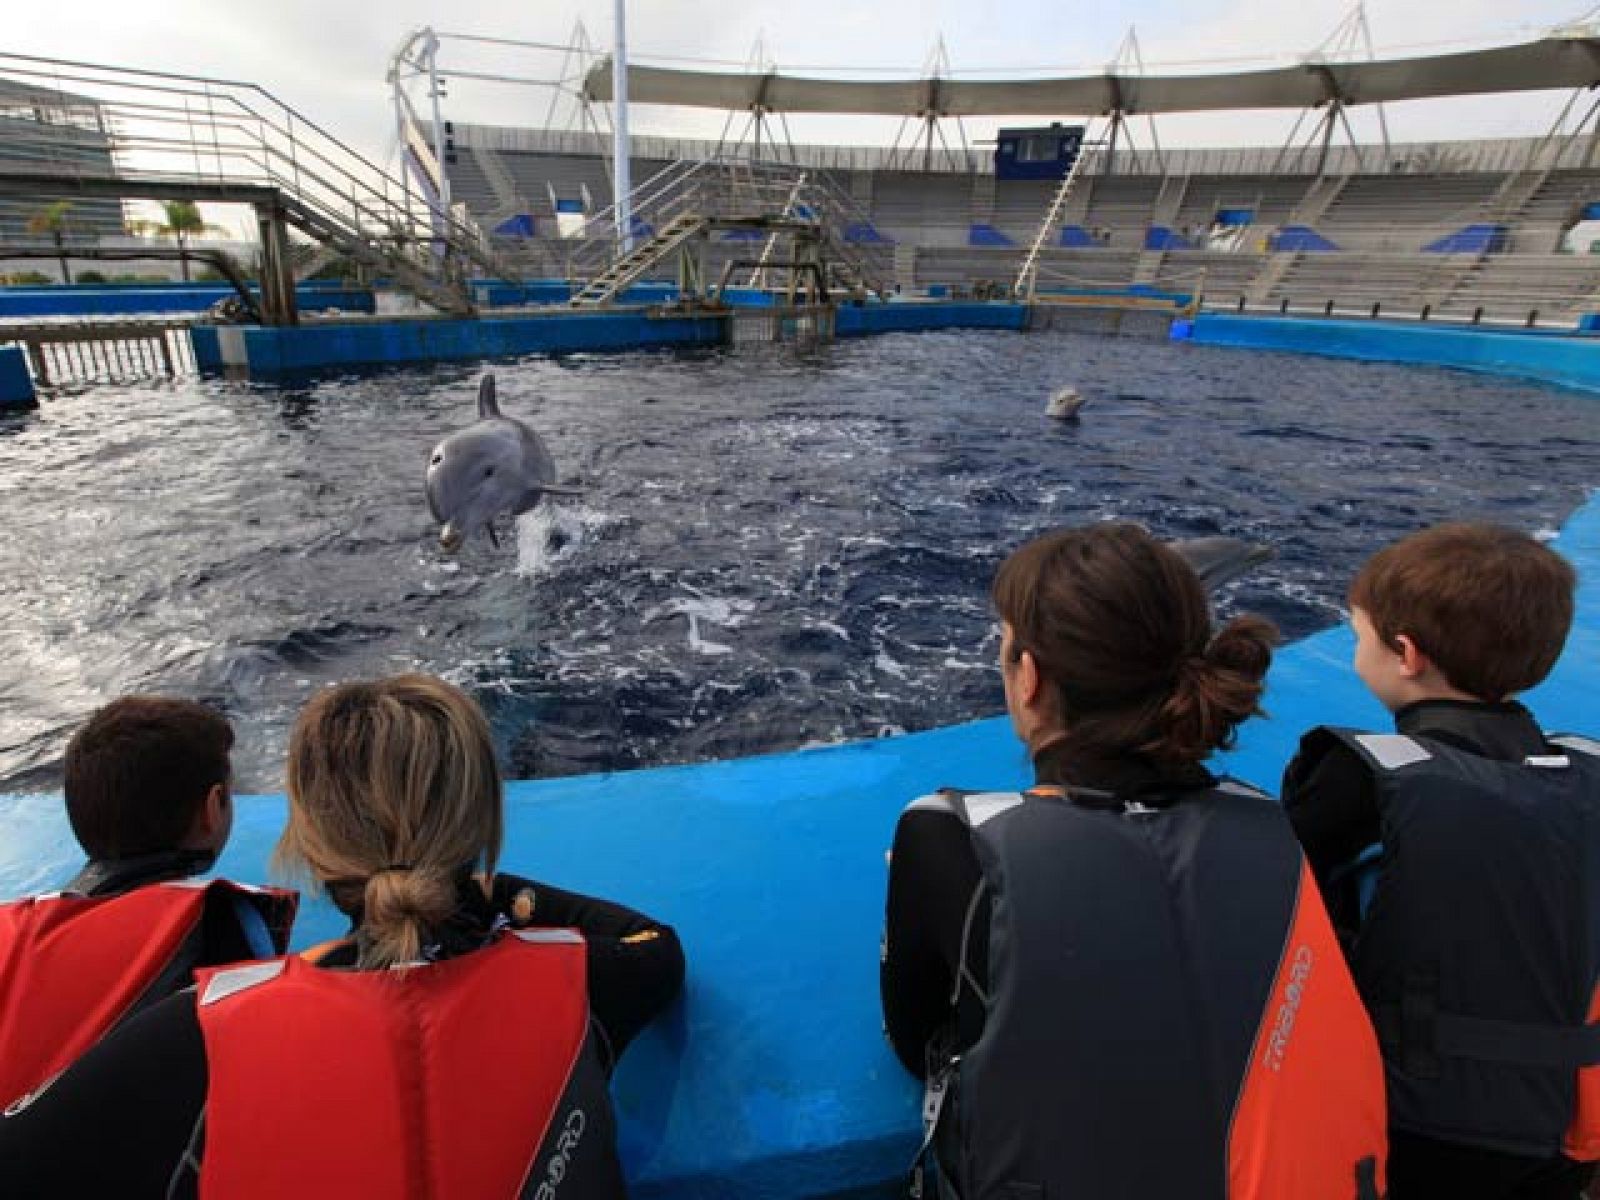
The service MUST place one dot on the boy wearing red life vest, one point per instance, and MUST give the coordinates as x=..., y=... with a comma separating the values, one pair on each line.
x=1460, y=858
x=147, y=786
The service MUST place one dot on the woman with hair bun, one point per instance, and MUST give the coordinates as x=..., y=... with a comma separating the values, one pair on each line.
x=456, y=1043
x=1122, y=982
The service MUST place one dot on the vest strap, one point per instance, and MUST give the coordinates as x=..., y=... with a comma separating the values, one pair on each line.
x=1516, y=1043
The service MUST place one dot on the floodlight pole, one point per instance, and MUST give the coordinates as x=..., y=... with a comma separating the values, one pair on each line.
x=430, y=47
x=619, y=131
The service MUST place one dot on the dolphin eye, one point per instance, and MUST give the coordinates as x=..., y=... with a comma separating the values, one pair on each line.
x=436, y=460
x=488, y=471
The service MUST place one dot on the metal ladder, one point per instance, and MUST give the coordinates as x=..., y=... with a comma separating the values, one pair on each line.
x=604, y=287
x=1028, y=274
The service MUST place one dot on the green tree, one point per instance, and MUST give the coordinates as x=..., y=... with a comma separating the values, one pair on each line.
x=183, y=221
x=52, y=219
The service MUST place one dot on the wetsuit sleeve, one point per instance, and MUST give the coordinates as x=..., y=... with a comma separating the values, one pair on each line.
x=636, y=964
x=1332, y=802
x=119, y=1121
x=933, y=874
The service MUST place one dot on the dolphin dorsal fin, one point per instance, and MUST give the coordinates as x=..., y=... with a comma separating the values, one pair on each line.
x=488, y=406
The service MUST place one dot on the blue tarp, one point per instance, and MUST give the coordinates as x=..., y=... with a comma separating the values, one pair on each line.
x=1470, y=239
x=1231, y=217
x=1160, y=237
x=1300, y=239
x=569, y=206
x=987, y=235
x=1076, y=237
x=864, y=233
x=520, y=225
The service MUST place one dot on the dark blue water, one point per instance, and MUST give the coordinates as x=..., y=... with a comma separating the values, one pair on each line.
x=775, y=548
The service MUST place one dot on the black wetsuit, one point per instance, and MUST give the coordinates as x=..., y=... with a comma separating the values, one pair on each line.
x=933, y=876
x=1332, y=803
x=120, y=1122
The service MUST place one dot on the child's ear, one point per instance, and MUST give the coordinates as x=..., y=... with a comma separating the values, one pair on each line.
x=1413, y=662
x=1028, y=678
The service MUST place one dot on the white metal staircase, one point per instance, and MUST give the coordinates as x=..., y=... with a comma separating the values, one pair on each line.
x=603, y=288
x=1028, y=273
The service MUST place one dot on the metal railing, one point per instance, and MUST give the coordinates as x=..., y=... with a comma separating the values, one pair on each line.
x=82, y=122
x=728, y=188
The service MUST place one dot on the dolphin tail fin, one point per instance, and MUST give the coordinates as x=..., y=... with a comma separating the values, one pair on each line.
x=488, y=406
x=1219, y=560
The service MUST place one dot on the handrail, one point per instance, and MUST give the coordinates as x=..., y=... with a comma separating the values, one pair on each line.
x=166, y=126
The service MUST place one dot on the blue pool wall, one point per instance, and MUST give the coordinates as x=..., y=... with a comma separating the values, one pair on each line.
x=266, y=352
x=1548, y=356
x=127, y=299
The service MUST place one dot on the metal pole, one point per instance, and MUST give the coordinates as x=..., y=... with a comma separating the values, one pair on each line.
x=431, y=48
x=619, y=130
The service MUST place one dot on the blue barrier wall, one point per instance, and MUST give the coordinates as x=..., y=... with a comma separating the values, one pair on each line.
x=914, y=316
x=266, y=352
x=772, y=1079
x=16, y=385
x=112, y=298
x=1550, y=357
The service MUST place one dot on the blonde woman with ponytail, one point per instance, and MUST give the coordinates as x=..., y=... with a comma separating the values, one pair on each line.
x=456, y=1043
x=1122, y=982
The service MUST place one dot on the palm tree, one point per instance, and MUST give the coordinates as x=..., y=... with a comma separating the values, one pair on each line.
x=183, y=222
x=52, y=219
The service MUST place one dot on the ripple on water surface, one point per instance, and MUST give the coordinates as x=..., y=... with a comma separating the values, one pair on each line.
x=773, y=549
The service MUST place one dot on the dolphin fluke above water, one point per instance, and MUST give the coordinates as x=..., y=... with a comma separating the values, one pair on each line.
x=496, y=466
x=1219, y=560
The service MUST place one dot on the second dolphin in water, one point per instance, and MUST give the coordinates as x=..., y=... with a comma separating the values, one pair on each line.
x=498, y=465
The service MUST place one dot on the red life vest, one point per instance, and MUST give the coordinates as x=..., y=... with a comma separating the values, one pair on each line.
x=440, y=1080
x=72, y=967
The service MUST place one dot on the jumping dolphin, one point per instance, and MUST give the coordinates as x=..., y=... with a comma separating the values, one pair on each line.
x=497, y=465
x=1217, y=560
x=1065, y=403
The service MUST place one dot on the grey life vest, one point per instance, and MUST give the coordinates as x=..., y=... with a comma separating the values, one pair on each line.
x=1480, y=952
x=1145, y=963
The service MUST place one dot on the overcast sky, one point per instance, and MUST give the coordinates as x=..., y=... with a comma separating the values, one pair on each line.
x=328, y=57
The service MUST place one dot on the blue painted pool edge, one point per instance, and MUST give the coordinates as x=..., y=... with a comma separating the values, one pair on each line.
x=16, y=384
x=266, y=352
x=1570, y=360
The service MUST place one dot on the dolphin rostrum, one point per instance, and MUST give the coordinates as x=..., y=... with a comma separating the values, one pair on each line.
x=498, y=465
x=1218, y=560
x=1065, y=404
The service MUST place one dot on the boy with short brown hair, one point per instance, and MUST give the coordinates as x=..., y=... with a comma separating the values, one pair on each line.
x=148, y=789
x=1460, y=858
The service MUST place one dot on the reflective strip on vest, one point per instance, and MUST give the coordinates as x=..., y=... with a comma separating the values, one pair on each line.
x=439, y=1081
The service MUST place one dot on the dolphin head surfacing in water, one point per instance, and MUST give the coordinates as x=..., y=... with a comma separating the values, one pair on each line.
x=495, y=466
x=1065, y=404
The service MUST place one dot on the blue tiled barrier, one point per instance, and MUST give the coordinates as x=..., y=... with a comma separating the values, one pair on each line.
x=16, y=385
x=771, y=1079
x=114, y=298
x=1569, y=360
x=851, y=320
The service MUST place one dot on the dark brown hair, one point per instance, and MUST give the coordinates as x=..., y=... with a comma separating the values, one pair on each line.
x=393, y=789
x=1490, y=606
x=1120, y=628
x=137, y=773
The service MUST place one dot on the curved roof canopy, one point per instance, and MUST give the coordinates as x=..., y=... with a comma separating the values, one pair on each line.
x=1554, y=62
